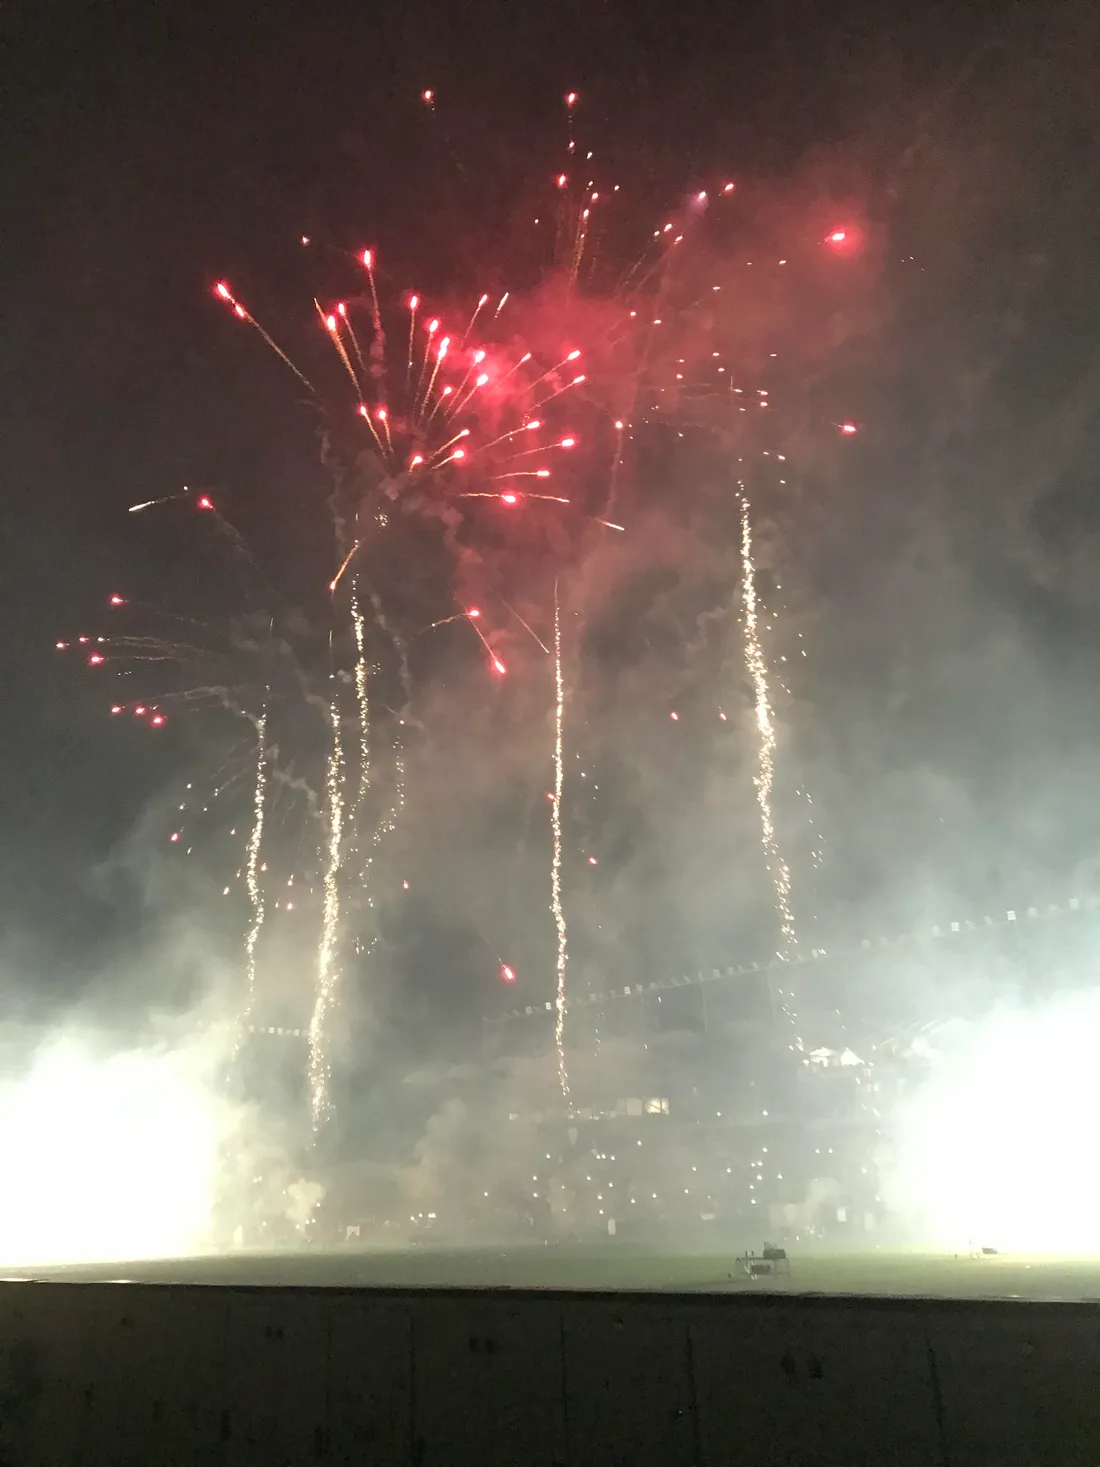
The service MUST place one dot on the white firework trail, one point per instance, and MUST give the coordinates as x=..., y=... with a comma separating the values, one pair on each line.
x=555, y=865
x=328, y=955
x=764, y=779
x=362, y=699
x=387, y=822
x=255, y=891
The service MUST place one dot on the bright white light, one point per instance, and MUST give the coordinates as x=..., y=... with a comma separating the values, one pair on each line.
x=107, y=1158
x=993, y=1151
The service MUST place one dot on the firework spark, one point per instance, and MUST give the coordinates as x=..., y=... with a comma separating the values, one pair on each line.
x=222, y=291
x=764, y=778
x=320, y=1068
x=528, y=628
x=494, y=661
x=164, y=499
x=255, y=890
x=362, y=700
x=343, y=567
x=555, y=865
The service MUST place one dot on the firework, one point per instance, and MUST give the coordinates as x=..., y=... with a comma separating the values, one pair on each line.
x=320, y=1069
x=528, y=628
x=555, y=864
x=224, y=293
x=436, y=443
x=362, y=700
x=764, y=778
x=427, y=451
x=255, y=843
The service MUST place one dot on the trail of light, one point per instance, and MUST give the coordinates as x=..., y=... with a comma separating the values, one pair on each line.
x=367, y=258
x=503, y=437
x=459, y=403
x=277, y=349
x=320, y=1069
x=446, y=393
x=571, y=357
x=514, y=368
x=576, y=382
x=528, y=628
x=414, y=301
x=378, y=343
x=432, y=328
x=223, y=291
x=477, y=311
x=255, y=892
x=331, y=324
x=443, y=447
x=152, y=503
x=497, y=665
x=764, y=778
x=378, y=336
x=517, y=497
x=345, y=316
x=475, y=361
x=578, y=248
x=445, y=621
x=545, y=448
x=362, y=700
x=364, y=413
x=346, y=562
x=642, y=260
x=501, y=303
x=555, y=865
x=441, y=352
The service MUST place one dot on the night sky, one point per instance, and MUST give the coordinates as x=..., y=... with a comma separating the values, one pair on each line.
x=946, y=568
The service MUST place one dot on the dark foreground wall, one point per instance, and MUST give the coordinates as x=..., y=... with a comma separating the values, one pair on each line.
x=152, y=1375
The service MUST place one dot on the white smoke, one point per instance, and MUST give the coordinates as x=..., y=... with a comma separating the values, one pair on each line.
x=995, y=1148
x=109, y=1157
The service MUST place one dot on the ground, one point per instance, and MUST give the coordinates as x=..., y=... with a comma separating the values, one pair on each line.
x=612, y=1267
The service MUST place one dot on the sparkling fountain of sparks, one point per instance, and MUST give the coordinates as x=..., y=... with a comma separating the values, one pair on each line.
x=255, y=842
x=327, y=964
x=362, y=699
x=555, y=865
x=764, y=778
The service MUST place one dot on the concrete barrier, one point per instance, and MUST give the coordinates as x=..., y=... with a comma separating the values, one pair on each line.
x=152, y=1376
